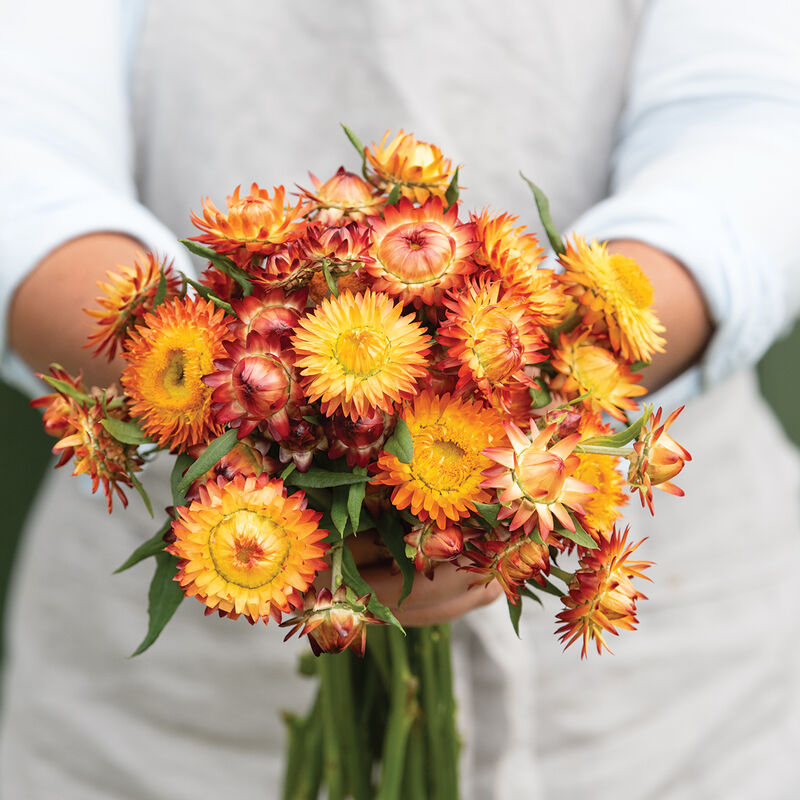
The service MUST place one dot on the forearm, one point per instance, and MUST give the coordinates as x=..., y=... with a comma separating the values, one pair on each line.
x=46, y=320
x=680, y=307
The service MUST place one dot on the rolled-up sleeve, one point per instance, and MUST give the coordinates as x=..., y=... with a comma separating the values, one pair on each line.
x=66, y=166
x=707, y=164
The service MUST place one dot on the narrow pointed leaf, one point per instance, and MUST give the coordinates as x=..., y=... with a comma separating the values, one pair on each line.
x=515, y=612
x=67, y=389
x=488, y=511
x=354, y=140
x=579, y=536
x=394, y=195
x=137, y=484
x=355, y=500
x=151, y=547
x=220, y=447
x=623, y=437
x=451, y=193
x=391, y=532
x=333, y=284
x=543, y=207
x=164, y=597
x=161, y=291
x=354, y=580
x=318, y=478
x=540, y=396
x=339, y=508
x=400, y=443
x=207, y=294
x=182, y=463
x=125, y=432
x=222, y=263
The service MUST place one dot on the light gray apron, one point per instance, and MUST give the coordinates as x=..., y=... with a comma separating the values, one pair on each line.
x=228, y=93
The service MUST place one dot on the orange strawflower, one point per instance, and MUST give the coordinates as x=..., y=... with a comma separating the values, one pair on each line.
x=127, y=297
x=602, y=508
x=444, y=479
x=534, y=482
x=513, y=257
x=490, y=339
x=613, y=291
x=343, y=197
x=589, y=369
x=656, y=459
x=420, y=252
x=418, y=167
x=601, y=596
x=358, y=353
x=167, y=360
x=245, y=547
x=254, y=224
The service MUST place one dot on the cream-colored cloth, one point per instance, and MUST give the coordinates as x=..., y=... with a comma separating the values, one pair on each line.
x=701, y=703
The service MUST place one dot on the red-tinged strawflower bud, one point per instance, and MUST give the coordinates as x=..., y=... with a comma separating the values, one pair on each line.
x=254, y=385
x=332, y=622
x=271, y=313
x=345, y=196
x=359, y=440
x=428, y=545
x=305, y=437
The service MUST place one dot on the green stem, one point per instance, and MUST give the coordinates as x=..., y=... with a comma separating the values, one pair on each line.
x=334, y=773
x=561, y=574
x=440, y=638
x=336, y=566
x=403, y=711
x=602, y=450
x=433, y=710
x=417, y=766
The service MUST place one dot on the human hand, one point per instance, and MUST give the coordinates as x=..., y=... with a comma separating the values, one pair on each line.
x=451, y=594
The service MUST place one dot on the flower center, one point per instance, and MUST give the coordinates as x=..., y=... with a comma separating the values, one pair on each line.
x=362, y=351
x=441, y=462
x=540, y=475
x=631, y=282
x=260, y=385
x=248, y=549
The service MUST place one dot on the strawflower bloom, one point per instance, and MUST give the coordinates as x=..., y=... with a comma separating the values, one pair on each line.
x=420, y=252
x=418, y=167
x=534, y=482
x=271, y=313
x=127, y=297
x=511, y=561
x=513, y=257
x=332, y=622
x=358, y=353
x=612, y=289
x=255, y=385
x=589, y=369
x=490, y=339
x=245, y=547
x=251, y=225
x=359, y=440
x=601, y=597
x=428, y=545
x=345, y=196
x=167, y=359
x=444, y=479
x=656, y=459
x=602, y=508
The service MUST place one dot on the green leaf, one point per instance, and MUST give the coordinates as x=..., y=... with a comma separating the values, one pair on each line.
x=489, y=512
x=125, y=432
x=207, y=294
x=333, y=284
x=68, y=389
x=400, y=443
x=451, y=193
x=524, y=592
x=540, y=395
x=394, y=195
x=391, y=532
x=638, y=366
x=550, y=588
x=355, y=141
x=579, y=536
x=164, y=597
x=137, y=484
x=182, y=463
x=222, y=263
x=161, y=291
x=151, y=547
x=515, y=612
x=355, y=499
x=543, y=207
x=623, y=437
x=354, y=580
x=220, y=447
x=318, y=478
x=339, y=508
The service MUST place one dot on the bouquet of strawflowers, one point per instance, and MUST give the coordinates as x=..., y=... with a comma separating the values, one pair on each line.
x=370, y=363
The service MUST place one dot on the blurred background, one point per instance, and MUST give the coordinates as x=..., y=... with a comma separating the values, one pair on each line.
x=26, y=449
